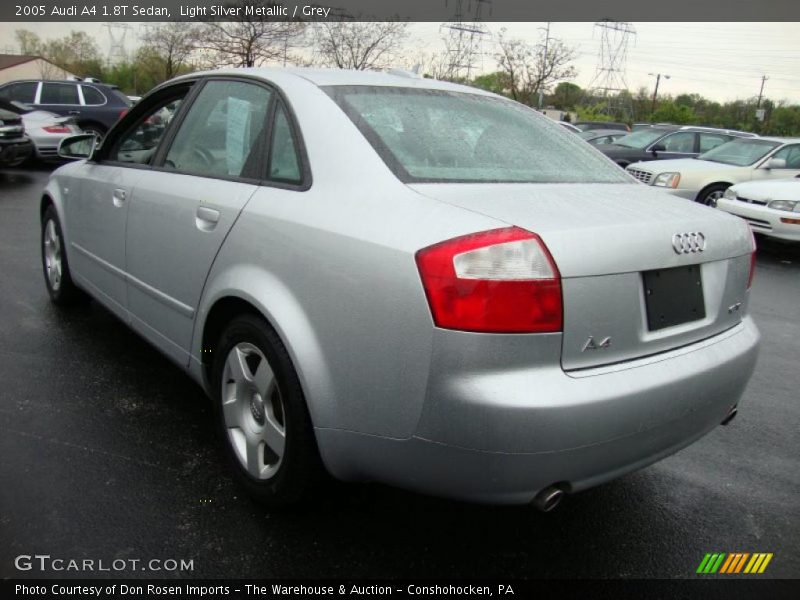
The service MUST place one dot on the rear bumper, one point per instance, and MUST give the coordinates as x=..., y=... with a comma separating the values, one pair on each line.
x=762, y=219
x=500, y=436
x=15, y=151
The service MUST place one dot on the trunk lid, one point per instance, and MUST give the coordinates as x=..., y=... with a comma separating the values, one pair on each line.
x=604, y=238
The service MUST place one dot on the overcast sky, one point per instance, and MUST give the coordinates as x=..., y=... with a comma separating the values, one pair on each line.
x=722, y=61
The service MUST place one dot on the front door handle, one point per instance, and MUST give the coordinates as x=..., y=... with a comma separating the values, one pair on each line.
x=74, y=112
x=118, y=197
x=207, y=218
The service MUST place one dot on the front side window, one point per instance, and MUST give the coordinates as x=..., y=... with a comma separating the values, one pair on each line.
x=682, y=142
x=24, y=91
x=740, y=152
x=92, y=96
x=438, y=136
x=139, y=144
x=59, y=93
x=791, y=154
x=223, y=132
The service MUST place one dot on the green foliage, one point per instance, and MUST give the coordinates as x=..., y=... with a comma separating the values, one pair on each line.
x=496, y=82
x=595, y=112
x=566, y=96
x=672, y=112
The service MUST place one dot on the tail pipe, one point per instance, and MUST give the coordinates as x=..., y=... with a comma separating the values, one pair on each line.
x=731, y=415
x=548, y=498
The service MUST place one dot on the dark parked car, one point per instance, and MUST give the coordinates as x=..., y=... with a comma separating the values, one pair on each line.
x=601, y=137
x=670, y=141
x=589, y=125
x=14, y=146
x=95, y=106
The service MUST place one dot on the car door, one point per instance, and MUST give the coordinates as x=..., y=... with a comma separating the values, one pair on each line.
x=180, y=214
x=790, y=154
x=60, y=98
x=98, y=204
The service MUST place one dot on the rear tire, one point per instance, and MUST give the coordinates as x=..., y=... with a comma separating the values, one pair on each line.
x=57, y=278
x=711, y=194
x=262, y=417
x=97, y=130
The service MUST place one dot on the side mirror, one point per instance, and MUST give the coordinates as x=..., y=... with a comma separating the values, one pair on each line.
x=658, y=148
x=775, y=163
x=76, y=147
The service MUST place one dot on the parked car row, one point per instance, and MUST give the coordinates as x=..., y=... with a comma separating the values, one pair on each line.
x=37, y=133
x=94, y=106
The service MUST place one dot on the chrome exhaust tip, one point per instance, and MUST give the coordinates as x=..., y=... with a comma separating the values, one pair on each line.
x=548, y=498
x=731, y=416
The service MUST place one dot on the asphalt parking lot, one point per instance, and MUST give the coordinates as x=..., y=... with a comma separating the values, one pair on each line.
x=108, y=452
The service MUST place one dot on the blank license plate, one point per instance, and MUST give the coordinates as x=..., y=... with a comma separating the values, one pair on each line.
x=673, y=296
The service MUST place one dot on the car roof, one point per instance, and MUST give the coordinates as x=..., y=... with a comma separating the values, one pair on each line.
x=782, y=140
x=331, y=77
x=94, y=83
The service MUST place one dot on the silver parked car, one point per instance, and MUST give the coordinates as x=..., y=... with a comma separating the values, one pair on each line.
x=398, y=279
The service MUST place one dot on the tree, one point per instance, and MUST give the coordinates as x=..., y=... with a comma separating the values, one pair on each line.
x=566, y=96
x=359, y=45
x=671, y=112
x=530, y=69
x=492, y=82
x=167, y=47
x=250, y=39
x=29, y=42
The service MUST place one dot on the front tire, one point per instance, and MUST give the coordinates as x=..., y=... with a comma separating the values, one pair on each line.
x=57, y=278
x=711, y=194
x=262, y=416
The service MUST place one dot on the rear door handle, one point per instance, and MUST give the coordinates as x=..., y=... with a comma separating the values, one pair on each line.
x=207, y=218
x=118, y=197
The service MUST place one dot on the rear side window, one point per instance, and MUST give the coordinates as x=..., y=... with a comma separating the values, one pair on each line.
x=92, y=96
x=441, y=136
x=283, y=164
x=59, y=93
x=223, y=132
x=24, y=91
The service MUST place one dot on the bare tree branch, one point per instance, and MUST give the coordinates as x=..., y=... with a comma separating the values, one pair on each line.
x=359, y=45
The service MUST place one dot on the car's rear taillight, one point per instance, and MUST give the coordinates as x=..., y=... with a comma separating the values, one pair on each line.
x=123, y=112
x=57, y=129
x=498, y=281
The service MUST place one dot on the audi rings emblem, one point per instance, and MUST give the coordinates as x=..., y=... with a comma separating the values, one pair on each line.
x=686, y=243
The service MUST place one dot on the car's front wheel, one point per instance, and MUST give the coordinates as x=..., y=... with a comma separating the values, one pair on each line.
x=261, y=411
x=712, y=193
x=57, y=277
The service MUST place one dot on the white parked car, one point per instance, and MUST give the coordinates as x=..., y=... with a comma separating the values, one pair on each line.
x=705, y=178
x=45, y=129
x=771, y=207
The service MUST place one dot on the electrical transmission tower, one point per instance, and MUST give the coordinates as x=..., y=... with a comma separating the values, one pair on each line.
x=116, y=35
x=463, y=38
x=609, y=81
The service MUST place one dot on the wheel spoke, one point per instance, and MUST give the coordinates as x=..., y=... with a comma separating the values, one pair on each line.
x=263, y=379
x=232, y=410
x=273, y=434
x=237, y=367
x=254, y=456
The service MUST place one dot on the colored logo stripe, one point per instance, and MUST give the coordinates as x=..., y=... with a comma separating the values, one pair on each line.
x=734, y=562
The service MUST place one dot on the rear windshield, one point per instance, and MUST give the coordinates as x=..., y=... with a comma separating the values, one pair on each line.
x=438, y=136
x=740, y=152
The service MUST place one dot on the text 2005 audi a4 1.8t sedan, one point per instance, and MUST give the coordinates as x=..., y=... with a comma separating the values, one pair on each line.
x=396, y=279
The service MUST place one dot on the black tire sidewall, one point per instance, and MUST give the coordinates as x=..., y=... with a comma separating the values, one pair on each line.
x=703, y=197
x=299, y=468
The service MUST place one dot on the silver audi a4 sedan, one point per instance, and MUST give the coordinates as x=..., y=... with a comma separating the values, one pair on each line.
x=396, y=279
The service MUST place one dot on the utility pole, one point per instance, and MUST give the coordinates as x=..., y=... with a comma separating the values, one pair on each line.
x=544, y=61
x=655, y=91
x=761, y=92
